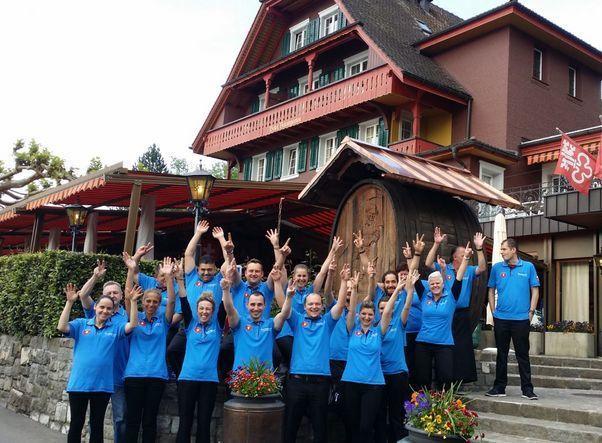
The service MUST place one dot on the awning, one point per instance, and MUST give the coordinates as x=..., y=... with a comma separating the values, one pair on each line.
x=384, y=163
x=547, y=149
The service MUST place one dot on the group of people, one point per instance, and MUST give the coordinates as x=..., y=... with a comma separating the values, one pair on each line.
x=357, y=353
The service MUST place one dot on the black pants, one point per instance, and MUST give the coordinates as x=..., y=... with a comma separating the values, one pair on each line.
x=191, y=393
x=176, y=349
x=337, y=394
x=362, y=405
x=465, y=368
x=78, y=404
x=306, y=395
x=443, y=357
x=410, y=351
x=390, y=423
x=518, y=331
x=142, y=398
x=285, y=348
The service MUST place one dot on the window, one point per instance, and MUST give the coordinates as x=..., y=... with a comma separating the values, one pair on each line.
x=572, y=82
x=331, y=24
x=304, y=88
x=328, y=147
x=575, y=289
x=537, y=64
x=371, y=134
x=356, y=64
x=299, y=40
x=491, y=174
x=424, y=27
x=299, y=35
x=259, y=164
x=407, y=121
x=329, y=20
x=290, y=162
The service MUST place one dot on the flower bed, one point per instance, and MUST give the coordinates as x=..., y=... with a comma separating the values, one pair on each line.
x=253, y=380
x=570, y=339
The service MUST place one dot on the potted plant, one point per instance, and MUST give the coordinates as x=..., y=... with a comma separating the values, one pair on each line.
x=570, y=339
x=255, y=412
x=440, y=416
x=536, y=339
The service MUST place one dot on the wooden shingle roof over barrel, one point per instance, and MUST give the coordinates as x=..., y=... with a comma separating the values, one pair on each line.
x=356, y=160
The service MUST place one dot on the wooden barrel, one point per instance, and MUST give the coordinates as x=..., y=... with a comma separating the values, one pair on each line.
x=253, y=420
x=389, y=214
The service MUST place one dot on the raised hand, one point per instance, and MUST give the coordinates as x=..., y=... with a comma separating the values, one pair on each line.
x=135, y=293
x=225, y=283
x=354, y=281
x=337, y=243
x=441, y=262
x=407, y=251
x=358, y=240
x=217, y=232
x=332, y=267
x=418, y=244
x=371, y=269
x=285, y=250
x=414, y=276
x=478, y=240
x=274, y=237
x=291, y=288
x=178, y=269
x=100, y=270
x=346, y=272
x=468, y=251
x=202, y=227
x=166, y=268
x=231, y=271
x=229, y=245
x=438, y=237
x=130, y=262
x=71, y=292
x=401, y=282
x=143, y=250
x=276, y=274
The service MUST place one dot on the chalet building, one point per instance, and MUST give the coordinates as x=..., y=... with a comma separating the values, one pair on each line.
x=485, y=93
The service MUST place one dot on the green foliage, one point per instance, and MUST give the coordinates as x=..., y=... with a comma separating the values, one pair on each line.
x=179, y=166
x=94, y=165
x=31, y=287
x=152, y=161
x=218, y=169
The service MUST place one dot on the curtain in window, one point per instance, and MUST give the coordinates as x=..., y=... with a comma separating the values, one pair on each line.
x=575, y=291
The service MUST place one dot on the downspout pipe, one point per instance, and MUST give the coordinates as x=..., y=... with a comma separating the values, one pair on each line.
x=469, y=118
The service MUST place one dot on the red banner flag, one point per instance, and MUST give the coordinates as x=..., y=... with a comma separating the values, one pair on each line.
x=576, y=164
x=598, y=169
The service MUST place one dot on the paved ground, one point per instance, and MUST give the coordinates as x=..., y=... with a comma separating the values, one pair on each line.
x=16, y=428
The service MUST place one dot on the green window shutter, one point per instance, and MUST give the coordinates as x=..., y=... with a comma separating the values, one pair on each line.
x=277, y=164
x=269, y=165
x=383, y=133
x=255, y=106
x=302, y=156
x=313, y=31
x=246, y=166
x=285, y=49
x=313, y=153
x=338, y=74
x=341, y=134
x=342, y=20
x=323, y=80
x=293, y=91
x=353, y=131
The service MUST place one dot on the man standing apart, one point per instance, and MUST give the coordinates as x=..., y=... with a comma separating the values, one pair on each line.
x=517, y=287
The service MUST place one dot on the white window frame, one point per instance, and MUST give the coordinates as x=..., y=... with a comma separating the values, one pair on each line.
x=540, y=78
x=573, y=92
x=255, y=171
x=303, y=82
x=496, y=172
x=261, y=97
x=355, y=60
x=324, y=15
x=286, y=159
x=363, y=127
x=322, y=160
x=406, y=116
x=296, y=29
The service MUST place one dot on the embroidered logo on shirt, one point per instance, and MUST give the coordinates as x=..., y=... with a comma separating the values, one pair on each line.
x=247, y=295
x=305, y=324
x=198, y=283
x=86, y=331
x=197, y=329
x=142, y=323
x=503, y=275
x=358, y=333
x=248, y=327
x=449, y=277
x=429, y=302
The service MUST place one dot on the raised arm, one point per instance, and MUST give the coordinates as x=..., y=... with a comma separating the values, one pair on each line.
x=413, y=277
x=418, y=244
x=178, y=275
x=285, y=312
x=352, y=302
x=167, y=269
x=227, y=248
x=319, y=280
x=189, y=254
x=478, y=241
x=134, y=296
x=328, y=296
x=358, y=242
x=231, y=311
x=437, y=240
x=339, y=307
x=280, y=254
x=385, y=319
x=98, y=274
x=71, y=297
x=276, y=277
x=371, y=271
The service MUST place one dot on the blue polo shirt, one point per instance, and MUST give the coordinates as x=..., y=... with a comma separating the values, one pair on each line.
x=148, y=342
x=437, y=316
x=363, y=358
x=122, y=349
x=195, y=286
x=148, y=282
x=202, y=350
x=253, y=340
x=299, y=298
x=311, y=346
x=392, y=355
x=242, y=292
x=414, y=316
x=513, y=289
x=93, y=355
x=450, y=277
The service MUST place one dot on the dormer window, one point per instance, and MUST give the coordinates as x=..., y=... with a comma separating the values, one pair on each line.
x=424, y=27
x=329, y=20
x=299, y=35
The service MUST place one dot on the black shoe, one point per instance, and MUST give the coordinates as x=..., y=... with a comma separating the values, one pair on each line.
x=495, y=392
x=530, y=395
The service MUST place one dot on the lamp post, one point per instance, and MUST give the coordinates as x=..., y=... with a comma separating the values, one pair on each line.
x=200, y=183
x=77, y=217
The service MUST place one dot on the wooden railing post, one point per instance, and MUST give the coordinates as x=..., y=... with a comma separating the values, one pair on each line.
x=130, y=231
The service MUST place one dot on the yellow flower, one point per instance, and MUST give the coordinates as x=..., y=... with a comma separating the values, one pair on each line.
x=459, y=403
x=438, y=418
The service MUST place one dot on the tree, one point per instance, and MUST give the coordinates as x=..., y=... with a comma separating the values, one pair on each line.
x=179, y=166
x=152, y=161
x=219, y=169
x=94, y=165
x=34, y=167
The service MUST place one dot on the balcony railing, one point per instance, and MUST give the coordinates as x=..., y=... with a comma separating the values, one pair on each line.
x=531, y=197
x=414, y=145
x=334, y=97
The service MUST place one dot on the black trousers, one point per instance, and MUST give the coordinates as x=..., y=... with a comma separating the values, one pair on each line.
x=176, y=349
x=307, y=395
x=410, y=351
x=285, y=349
x=142, y=399
x=465, y=368
x=518, y=331
x=443, y=357
x=191, y=393
x=390, y=423
x=78, y=405
x=337, y=394
x=362, y=405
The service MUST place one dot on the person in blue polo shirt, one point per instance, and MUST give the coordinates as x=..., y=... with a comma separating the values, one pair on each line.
x=465, y=369
x=517, y=288
x=363, y=375
x=309, y=378
x=435, y=340
x=91, y=379
x=146, y=371
x=113, y=290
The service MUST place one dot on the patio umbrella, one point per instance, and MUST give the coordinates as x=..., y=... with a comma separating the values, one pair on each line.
x=499, y=235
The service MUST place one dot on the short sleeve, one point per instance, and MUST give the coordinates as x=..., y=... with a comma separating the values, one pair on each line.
x=379, y=293
x=218, y=278
x=293, y=320
x=473, y=271
x=437, y=267
x=330, y=322
x=146, y=282
x=191, y=277
x=75, y=327
x=492, y=278
x=120, y=329
x=533, y=279
x=89, y=313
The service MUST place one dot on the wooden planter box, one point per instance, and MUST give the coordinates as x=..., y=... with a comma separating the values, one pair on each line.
x=536, y=342
x=570, y=344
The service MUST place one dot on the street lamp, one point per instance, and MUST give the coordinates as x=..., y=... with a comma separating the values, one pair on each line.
x=200, y=183
x=77, y=217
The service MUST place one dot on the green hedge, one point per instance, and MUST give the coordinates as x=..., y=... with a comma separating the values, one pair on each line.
x=31, y=287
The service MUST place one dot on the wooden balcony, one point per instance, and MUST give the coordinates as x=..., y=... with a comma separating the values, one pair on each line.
x=415, y=145
x=370, y=85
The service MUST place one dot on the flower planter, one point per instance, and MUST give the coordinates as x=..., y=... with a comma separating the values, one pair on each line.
x=569, y=344
x=536, y=342
x=416, y=435
x=253, y=419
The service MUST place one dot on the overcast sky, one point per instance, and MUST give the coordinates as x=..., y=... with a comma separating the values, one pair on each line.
x=111, y=77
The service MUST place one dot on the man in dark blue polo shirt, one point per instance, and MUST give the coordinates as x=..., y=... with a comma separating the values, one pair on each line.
x=517, y=288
